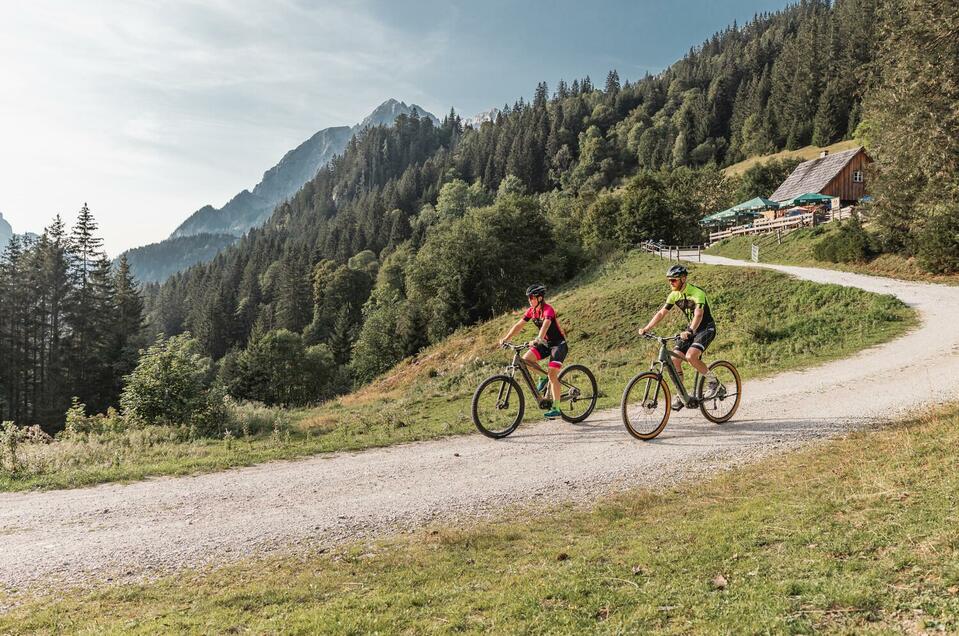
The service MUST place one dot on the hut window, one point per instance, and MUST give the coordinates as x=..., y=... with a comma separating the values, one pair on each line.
x=857, y=176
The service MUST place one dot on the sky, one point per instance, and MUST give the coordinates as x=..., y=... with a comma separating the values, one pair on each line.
x=149, y=110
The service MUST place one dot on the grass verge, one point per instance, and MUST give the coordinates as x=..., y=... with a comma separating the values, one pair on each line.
x=855, y=535
x=768, y=322
x=797, y=249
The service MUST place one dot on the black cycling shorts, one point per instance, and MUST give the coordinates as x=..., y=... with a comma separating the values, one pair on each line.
x=556, y=353
x=700, y=340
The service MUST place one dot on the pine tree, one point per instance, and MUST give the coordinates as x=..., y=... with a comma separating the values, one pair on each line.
x=295, y=298
x=55, y=397
x=127, y=337
x=84, y=305
x=541, y=95
x=612, y=83
x=343, y=335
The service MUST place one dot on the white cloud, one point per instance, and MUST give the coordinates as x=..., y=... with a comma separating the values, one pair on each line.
x=148, y=110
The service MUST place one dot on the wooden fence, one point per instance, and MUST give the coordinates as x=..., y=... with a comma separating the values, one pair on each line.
x=674, y=252
x=786, y=223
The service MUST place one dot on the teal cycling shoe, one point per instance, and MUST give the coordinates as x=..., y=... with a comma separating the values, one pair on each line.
x=541, y=385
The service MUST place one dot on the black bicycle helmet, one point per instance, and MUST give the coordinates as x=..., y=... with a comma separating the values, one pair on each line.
x=677, y=271
x=536, y=290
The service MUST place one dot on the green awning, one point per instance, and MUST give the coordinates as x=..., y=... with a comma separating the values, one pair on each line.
x=809, y=197
x=758, y=203
x=728, y=215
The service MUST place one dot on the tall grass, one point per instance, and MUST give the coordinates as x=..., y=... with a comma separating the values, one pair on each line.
x=107, y=447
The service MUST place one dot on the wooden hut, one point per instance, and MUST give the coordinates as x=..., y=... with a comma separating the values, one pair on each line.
x=840, y=175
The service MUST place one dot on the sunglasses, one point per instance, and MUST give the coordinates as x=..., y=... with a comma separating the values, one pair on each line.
x=673, y=280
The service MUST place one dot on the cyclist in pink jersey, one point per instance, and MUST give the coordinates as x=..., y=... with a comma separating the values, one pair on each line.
x=550, y=342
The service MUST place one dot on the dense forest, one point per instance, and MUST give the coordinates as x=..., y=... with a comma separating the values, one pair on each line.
x=418, y=229
x=71, y=323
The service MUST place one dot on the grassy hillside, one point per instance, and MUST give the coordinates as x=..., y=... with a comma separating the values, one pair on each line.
x=797, y=249
x=805, y=153
x=767, y=323
x=858, y=535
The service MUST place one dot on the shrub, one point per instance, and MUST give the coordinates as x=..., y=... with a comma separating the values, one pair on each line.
x=79, y=423
x=851, y=244
x=11, y=436
x=170, y=383
x=278, y=368
x=937, y=247
x=253, y=418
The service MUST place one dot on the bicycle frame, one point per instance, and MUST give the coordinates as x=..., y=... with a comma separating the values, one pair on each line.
x=519, y=364
x=665, y=362
x=524, y=368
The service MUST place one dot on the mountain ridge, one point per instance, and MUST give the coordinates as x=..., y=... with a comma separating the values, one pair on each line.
x=251, y=208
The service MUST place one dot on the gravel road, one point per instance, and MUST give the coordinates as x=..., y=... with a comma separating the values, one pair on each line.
x=116, y=532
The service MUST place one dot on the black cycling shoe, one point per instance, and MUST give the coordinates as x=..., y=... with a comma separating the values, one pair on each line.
x=678, y=404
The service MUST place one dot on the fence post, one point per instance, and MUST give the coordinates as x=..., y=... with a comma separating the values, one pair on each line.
x=755, y=253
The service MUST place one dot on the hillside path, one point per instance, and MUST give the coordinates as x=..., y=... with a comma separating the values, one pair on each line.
x=144, y=529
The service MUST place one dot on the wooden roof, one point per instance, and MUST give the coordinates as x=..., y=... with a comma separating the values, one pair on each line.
x=814, y=175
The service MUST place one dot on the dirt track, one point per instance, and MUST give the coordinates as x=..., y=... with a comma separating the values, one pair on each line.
x=160, y=525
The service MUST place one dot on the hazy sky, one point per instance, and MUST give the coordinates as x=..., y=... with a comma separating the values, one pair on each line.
x=149, y=110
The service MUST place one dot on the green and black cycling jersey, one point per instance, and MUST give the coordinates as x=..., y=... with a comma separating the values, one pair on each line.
x=687, y=300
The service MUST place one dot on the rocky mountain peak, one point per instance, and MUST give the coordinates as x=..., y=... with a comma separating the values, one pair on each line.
x=387, y=112
x=249, y=209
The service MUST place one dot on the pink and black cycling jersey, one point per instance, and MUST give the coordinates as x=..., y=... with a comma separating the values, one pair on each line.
x=554, y=334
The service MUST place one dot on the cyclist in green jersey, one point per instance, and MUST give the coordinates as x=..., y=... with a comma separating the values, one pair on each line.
x=700, y=332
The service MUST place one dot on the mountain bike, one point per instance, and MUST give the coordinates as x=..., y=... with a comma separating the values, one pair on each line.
x=499, y=404
x=647, y=401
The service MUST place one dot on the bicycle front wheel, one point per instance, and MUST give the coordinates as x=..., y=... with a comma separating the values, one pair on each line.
x=646, y=405
x=579, y=394
x=722, y=404
x=498, y=406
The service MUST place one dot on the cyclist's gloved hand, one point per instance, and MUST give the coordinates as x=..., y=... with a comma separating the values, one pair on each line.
x=642, y=331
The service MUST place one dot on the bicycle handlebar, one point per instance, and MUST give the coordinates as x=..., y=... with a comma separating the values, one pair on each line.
x=515, y=347
x=652, y=336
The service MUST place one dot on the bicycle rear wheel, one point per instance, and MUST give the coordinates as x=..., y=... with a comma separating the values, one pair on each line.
x=646, y=405
x=498, y=406
x=722, y=406
x=579, y=394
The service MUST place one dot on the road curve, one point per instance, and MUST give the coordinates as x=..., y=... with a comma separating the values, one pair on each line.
x=113, y=532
